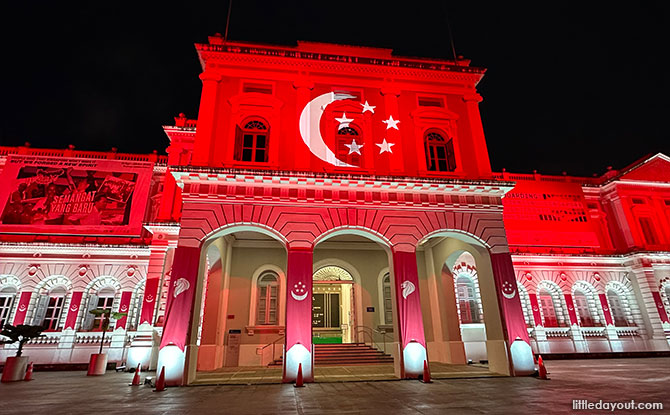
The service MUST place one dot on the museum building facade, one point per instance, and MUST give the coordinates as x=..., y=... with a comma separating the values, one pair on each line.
x=329, y=194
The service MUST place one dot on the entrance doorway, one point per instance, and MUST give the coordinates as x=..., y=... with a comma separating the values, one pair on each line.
x=332, y=306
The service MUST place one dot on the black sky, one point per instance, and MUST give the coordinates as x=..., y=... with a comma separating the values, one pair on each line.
x=570, y=87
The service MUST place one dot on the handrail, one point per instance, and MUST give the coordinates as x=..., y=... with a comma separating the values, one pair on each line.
x=369, y=331
x=273, y=344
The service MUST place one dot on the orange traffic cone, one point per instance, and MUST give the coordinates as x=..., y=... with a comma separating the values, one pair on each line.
x=426, y=373
x=298, y=380
x=136, y=378
x=29, y=372
x=542, y=371
x=160, y=383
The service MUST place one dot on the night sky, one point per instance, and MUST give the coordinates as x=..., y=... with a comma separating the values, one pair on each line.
x=569, y=87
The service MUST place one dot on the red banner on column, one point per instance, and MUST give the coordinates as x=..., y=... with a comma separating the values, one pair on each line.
x=508, y=298
x=571, y=309
x=149, y=301
x=124, y=307
x=73, y=311
x=181, y=295
x=537, y=317
x=660, y=307
x=22, y=308
x=606, y=309
x=299, y=299
x=410, y=319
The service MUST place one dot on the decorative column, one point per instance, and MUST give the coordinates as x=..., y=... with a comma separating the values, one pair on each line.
x=410, y=319
x=645, y=288
x=298, y=340
x=575, y=330
x=205, y=133
x=178, y=316
x=474, y=119
x=514, y=325
x=302, y=156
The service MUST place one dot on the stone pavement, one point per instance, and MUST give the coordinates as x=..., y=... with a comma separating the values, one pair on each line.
x=645, y=380
x=353, y=373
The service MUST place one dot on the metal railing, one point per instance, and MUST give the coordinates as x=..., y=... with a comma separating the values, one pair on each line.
x=370, y=332
x=271, y=350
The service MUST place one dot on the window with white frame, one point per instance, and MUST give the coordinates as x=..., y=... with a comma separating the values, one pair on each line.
x=549, y=318
x=267, y=299
x=50, y=308
x=467, y=300
x=388, y=302
x=617, y=308
x=7, y=296
x=583, y=309
x=103, y=299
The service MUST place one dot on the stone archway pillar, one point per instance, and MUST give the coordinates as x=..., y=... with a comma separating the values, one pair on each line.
x=178, y=315
x=298, y=340
x=410, y=319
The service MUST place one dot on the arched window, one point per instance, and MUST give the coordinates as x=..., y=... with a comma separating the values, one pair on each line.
x=388, y=302
x=7, y=296
x=617, y=308
x=439, y=153
x=549, y=318
x=266, y=303
x=467, y=300
x=349, y=145
x=583, y=309
x=54, y=308
x=102, y=299
x=251, y=142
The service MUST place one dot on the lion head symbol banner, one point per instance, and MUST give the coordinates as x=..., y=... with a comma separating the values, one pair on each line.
x=179, y=306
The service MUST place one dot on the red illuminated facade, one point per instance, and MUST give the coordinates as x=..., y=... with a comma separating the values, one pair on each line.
x=320, y=181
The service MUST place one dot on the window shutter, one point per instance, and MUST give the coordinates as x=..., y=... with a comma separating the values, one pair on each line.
x=451, y=157
x=88, y=317
x=40, y=310
x=238, y=144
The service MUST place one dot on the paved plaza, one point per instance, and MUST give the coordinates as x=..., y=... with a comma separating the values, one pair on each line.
x=644, y=380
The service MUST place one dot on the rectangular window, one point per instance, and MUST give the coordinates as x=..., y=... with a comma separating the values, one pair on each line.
x=6, y=302
x=431, y=102
x=647, y=226
x=548, y=312
x=104, y=303
x=52, y=316
x=257, y=88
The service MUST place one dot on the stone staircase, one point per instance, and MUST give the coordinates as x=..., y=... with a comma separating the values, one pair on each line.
x=346, y=354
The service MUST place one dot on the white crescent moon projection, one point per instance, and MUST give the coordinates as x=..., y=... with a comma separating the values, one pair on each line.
x=310, y=121
x=510, y=295
x=298, y=297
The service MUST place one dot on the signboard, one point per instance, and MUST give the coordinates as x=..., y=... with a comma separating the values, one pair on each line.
x=73, y=196
x=548, y=214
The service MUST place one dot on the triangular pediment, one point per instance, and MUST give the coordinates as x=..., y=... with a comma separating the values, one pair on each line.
x=653, y=169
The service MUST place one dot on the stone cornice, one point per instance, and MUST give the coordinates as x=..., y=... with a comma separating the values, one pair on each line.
x=286, y=58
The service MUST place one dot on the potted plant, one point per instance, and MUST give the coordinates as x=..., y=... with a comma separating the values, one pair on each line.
x=15, y=366
x=98, y=363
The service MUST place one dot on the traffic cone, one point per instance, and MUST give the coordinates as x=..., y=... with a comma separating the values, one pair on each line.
x=426, y=373
x=298, y=380
x=160, y=383
x=29, y=372
x=542, y=371
x=136, y=378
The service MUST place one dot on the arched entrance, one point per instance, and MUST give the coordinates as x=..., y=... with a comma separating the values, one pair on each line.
x=333, y=306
